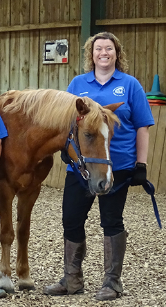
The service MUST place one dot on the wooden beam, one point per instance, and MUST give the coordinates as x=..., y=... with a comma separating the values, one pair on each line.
x=52, y=25
x=131, y=21
x=98, y=11
x=85, y=27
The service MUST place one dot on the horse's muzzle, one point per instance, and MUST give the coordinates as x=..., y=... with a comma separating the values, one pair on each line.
x=101, y=187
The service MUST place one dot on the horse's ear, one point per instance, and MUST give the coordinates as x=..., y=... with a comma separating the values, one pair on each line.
x=113, y=106
x=82, y=107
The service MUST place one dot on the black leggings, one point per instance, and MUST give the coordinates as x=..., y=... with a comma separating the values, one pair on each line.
x=77, y=202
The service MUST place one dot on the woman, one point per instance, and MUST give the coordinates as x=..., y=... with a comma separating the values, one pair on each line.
x=105, y=81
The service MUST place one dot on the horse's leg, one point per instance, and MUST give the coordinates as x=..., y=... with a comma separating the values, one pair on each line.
x=6, y=235
x=26, y=201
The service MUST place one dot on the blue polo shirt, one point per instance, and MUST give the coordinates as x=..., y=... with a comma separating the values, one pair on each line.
x=133, y=114
x=3, y=131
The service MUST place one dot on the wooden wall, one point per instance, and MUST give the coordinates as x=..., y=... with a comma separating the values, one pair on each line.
x=140, y=25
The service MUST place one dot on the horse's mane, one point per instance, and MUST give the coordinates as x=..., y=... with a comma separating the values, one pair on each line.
x=52, y=108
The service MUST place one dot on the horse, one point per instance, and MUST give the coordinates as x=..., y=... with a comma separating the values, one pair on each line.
x=38, y=124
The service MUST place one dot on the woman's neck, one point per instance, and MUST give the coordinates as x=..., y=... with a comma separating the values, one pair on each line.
x=102, y=76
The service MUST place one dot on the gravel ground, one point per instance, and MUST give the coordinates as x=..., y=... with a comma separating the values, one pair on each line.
x=144, y=270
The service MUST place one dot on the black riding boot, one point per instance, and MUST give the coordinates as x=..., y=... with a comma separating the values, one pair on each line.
x=114, y=250
x=72, y=282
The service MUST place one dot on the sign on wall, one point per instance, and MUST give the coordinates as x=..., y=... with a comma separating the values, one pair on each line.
x=55, y=52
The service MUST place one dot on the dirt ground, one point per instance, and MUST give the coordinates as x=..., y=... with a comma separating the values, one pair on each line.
x=144, y=270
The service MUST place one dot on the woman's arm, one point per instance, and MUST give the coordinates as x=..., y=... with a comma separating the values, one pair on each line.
x=142, y=144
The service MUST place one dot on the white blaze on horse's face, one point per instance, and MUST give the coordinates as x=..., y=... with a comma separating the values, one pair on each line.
x=105, y=132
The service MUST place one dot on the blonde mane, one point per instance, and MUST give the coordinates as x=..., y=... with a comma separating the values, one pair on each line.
x=51, y=108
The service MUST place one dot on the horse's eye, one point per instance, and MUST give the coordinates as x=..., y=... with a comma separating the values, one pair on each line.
x=88, y=135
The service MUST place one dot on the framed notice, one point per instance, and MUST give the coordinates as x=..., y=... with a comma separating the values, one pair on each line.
x=55, y=52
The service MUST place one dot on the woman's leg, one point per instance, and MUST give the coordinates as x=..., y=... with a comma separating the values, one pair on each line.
x=76, y=205
x=77, y=202
x=111, y=209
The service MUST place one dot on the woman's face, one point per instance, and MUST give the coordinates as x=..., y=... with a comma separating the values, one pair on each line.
x=104, y=54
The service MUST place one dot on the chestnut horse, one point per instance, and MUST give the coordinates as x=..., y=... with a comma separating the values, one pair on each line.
x=38, y=124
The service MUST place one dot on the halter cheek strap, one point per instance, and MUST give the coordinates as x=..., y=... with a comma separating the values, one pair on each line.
x=81, y=162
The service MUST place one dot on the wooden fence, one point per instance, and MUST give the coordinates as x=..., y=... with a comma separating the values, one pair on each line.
x=141, y=27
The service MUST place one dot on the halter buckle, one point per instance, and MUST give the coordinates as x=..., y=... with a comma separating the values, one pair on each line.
x=85, y=174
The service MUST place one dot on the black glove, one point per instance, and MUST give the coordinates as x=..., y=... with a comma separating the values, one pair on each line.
x=65, y=157
x=139, y=174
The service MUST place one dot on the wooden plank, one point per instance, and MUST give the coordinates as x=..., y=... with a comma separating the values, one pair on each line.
x=85, y=27
x=44, y=35
x=110, y=15
x=74, y=42
x=109, y=10
x=162, y=177
x=63, y=68
x=4, y=63
x=24, y=46
x=56, y=170
x=152, y=140
x=131, y=21
x=118, y=12
x=140, y=48
x=62, y=176
x=74, y=54
x=151, y=40
x=5, y=48
x=52, y=25
x=34, y=52
x=129, y=35
x=162, y=48
x=161, y=72
x=159, y=145
x=15, y=47
x=75, y=10
x=52, y=178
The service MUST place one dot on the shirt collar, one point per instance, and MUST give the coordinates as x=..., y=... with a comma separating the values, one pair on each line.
x=116, y=75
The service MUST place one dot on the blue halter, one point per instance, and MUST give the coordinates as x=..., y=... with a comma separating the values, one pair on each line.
x=81, y=162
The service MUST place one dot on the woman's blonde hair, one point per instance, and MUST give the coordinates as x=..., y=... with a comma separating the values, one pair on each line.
x=121, y=62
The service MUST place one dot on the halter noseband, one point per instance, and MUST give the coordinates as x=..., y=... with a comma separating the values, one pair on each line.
x=81, y=162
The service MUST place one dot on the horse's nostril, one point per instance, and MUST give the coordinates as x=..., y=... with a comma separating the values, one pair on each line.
x=102, y=185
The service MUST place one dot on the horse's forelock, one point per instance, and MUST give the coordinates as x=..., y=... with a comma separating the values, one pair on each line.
x=98, y=114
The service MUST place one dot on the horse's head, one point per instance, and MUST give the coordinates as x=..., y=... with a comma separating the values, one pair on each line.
x=92, y=135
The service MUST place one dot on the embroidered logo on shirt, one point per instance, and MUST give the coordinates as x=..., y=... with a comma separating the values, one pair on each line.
x=119, y=91
x=83, y=93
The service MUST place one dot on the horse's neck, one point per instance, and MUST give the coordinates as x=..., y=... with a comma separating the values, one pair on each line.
x=46, y=141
